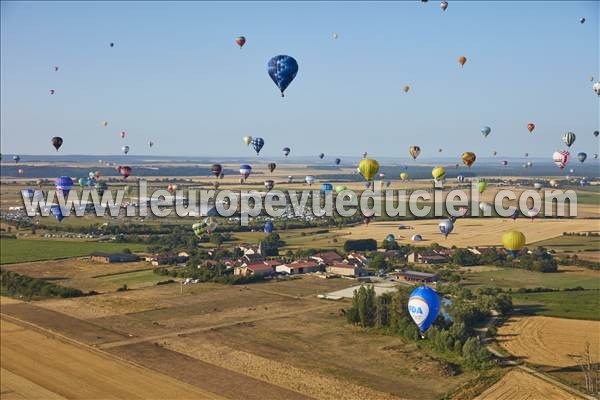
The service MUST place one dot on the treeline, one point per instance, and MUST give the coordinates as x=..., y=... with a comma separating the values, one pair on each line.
x=17, y=285
x=217, y=274
x=453, y=335
x=574, y=260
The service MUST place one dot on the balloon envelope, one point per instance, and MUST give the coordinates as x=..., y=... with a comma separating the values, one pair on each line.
x=423, y=307
x=282, y=69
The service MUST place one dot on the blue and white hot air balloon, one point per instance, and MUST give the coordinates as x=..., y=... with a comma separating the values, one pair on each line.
x=64, y=184
x=282, y=69
x=268, y=227
x=27, y=193
x=446, y=227
x=326, y=187
x=423, y=307
x=57, y=212
x=257, y=144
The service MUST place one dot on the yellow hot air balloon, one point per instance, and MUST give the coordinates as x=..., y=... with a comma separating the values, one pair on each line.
x=462, y=60
x=404, y=176
x=368, y=168
x=513, y=241
x=438, y=173
x=468, y=158
x=247, y=140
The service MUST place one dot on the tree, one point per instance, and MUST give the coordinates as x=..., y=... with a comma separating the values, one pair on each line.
x=476, y=356
x=378, y=263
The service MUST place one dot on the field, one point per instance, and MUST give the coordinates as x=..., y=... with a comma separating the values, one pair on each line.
x=549, y=341
x=36, y=364
x=275, y=340
x=514, y=278
x=574, y=304
x=519, y=385
x=572, y=243
x=25, y=250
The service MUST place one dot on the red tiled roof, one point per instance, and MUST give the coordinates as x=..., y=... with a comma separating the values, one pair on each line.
x=259, y=267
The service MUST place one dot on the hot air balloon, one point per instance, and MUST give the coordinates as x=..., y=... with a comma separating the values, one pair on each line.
x=247, y=140
x=282, y=69
x=568, y=138
x=321, y=155
x=309, y=179
x=390, y=238
x=581, y=20
x=440, y=150
x=105, y=123
x=257, y=144
x=513, y=242
x=504, y=163
x=245, y=171
x=530, y=127
x=326, y=187
x=515, y=214
x=596, y=133
x=438, y=174
x=446, y=227
x=124, y=170
x=125, y=149
x=123, y=134
x=583, y=182
x=16, y=159
x=63, y=184
x=340, y=188
x=468, y=158
x=406, y=88
x=57, y=212
x=581, y=156
x=494, y=153
x=112, y=44
x=171, y=188
x=52, y=91
x=537, y=186
x=423, y=307
x=338, y=161
x=404, y=176
x=462, y=60
x=240, y=41
x=57, y=142
x=596, y=88
x=100, y=187
x=20, y=171
x=290, y=179
x=414, y=151
x=82, y=182
x=485, y=131
x=199, y=229
x=151, y=143
x=365, y=154
x=485, y=208
x=368, y=168
x=27, y=193
x=594, y=156
x=529, y=164
x=268, y=228
x=381, y=175
x=56, y=68
x=481, y=186
x=269, y=184
x=561, y=158
x=532, y=213
x=286, y=151
x=271, y=167
x=444, y=5
x=460, y=178
x=416, y=238
x=216, y=170
x=40, y=181
x=553, y=183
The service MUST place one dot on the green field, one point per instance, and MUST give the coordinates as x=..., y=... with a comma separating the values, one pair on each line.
x=297, y=238
x=517, y=278
x=25, y=250
x=583, y=304
x=570, y=243
x=132, y=279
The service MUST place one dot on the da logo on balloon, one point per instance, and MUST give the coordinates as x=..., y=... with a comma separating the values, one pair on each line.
x=418, y=309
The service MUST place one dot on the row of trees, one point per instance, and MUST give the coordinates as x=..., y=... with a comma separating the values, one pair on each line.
x=17, y=285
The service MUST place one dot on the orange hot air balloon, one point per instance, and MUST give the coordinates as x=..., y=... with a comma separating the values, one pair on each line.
x=468, y=158
x=462, y=60
x=530, y=127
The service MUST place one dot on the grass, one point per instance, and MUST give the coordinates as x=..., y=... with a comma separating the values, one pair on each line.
x=588, y=198
x=575, y=304
x=517, y=278
x=25, y=250
x=570, y=243
x=132, y=279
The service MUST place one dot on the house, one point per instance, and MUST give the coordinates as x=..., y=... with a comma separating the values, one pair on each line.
x=248, y=250
x=357, y=259
x=428, y=257
x=343, y=269
x=416, y=276
x=108, y=258
x=327, y=258
x=252, y=258
x=257, y=269
x=298, y=267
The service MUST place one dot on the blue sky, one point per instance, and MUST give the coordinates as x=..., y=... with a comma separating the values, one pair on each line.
x=175, y=76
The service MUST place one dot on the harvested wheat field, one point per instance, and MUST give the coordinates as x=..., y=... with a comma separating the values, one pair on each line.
x=549, y=341
x=472, y=231
x=38, y=366
x=519, y=385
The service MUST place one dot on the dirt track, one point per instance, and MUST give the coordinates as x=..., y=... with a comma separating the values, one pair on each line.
x=38, y=366
x=549, y=341
x=519, y=385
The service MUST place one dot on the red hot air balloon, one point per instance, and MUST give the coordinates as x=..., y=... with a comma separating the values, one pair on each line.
x=240, y=41
x=530, y=127
x=124, y=170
